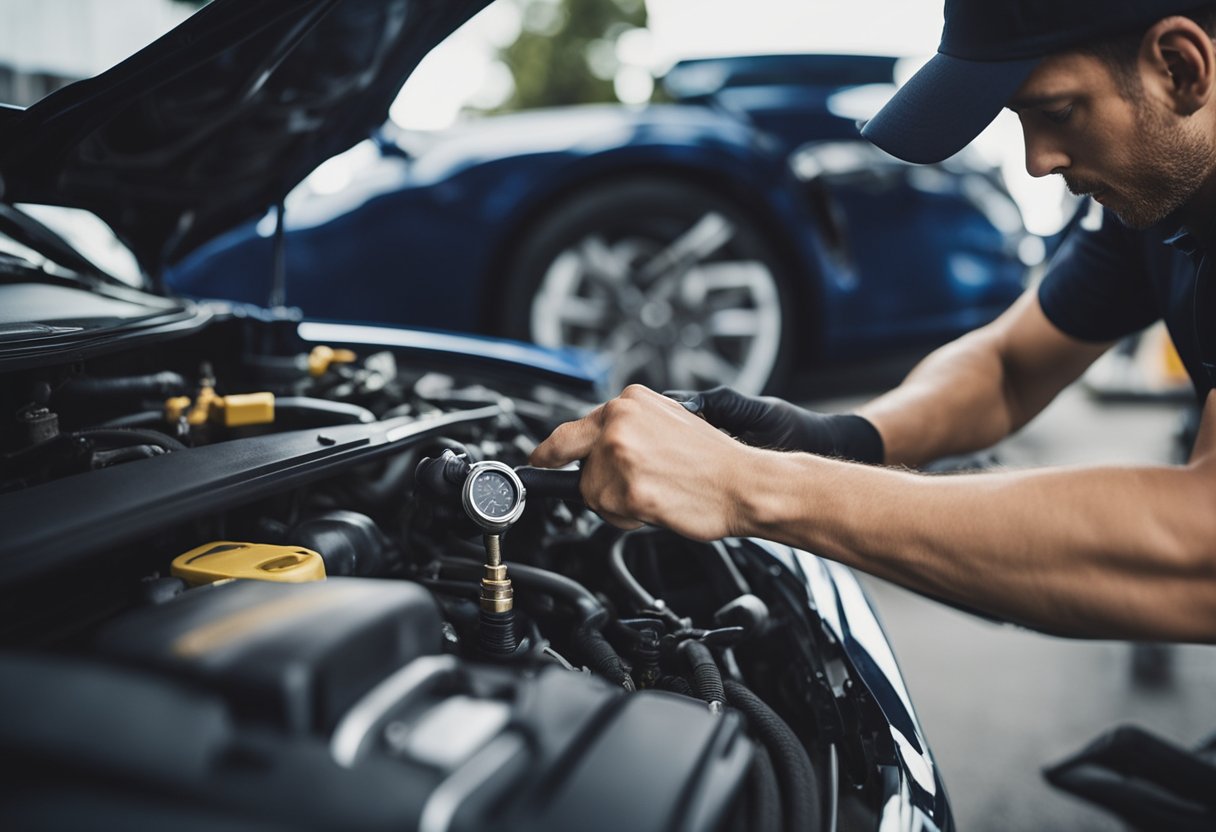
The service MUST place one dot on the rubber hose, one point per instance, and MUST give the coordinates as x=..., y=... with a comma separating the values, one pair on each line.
x=392, y=481
x=601, y=656
x=706, y=676
x=644, y=600
x=132, y=436
x=799, y=789
x=675, y=684
x=546, y=482
x=764, y=796
x=152, y=386
x=617, y=562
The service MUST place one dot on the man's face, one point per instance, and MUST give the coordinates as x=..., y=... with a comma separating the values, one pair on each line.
x=1123, y=146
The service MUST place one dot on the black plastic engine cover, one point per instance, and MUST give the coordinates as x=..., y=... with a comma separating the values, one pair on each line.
x=295, y=656
x=354, y=666
x=543, y=748
x=660, y=763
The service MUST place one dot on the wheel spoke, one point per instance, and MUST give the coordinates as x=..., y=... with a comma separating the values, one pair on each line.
x=601, y=263
x=699, y=242
x=735, y=323
x=694, y=367
x=708, y=281
x=586, y=313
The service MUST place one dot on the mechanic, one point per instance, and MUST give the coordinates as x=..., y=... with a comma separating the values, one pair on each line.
x=1120, y=99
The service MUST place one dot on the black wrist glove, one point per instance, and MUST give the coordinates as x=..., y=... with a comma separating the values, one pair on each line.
x=770, y=422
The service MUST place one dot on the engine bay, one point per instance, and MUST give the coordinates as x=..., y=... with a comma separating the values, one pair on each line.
x=261, y=582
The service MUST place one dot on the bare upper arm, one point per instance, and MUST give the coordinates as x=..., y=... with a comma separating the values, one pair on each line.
x=1038, y=360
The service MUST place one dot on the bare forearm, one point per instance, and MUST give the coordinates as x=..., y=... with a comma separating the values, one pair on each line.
x=1111, y=552
x=975, y=391
x=953, y=402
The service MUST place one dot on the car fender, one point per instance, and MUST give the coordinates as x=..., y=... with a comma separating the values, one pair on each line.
x=710, y=150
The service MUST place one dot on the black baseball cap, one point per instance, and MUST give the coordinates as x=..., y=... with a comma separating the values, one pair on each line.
x=988, y=49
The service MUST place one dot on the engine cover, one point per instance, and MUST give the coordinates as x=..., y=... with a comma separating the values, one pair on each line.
x=298, y=703
x=295, y=656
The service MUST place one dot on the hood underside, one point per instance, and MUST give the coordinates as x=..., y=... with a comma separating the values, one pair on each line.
x=216, y=121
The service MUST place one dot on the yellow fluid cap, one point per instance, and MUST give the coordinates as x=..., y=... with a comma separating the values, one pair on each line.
x=322, y=357
x=223, y=559
x=245, y=409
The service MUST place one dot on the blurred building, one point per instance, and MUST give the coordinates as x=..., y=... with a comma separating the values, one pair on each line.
x=46, y=44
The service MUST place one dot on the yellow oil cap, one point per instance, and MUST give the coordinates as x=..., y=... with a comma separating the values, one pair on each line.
x=246, y=409
x=222, y=559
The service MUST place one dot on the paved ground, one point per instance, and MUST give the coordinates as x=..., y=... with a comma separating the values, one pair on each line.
x=997, y=702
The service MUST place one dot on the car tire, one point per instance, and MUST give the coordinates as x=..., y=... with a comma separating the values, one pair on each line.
x=677, y=286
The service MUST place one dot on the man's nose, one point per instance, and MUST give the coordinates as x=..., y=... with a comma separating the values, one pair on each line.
x=1043, y=154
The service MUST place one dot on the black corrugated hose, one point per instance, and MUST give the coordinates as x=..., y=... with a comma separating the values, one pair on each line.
x=763, y=795
x=706, y=677
x=799, y=789
x=601, y=656
x=675, y=684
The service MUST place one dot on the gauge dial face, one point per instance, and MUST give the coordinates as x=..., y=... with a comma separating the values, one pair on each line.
x=493, y=494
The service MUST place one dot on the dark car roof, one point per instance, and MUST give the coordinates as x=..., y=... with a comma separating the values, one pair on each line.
x=217, y=120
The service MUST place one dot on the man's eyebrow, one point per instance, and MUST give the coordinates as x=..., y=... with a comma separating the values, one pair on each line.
x=1028, y=101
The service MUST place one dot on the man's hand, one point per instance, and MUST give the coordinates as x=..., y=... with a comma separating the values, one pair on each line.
x=646, y=459
x=770, y=422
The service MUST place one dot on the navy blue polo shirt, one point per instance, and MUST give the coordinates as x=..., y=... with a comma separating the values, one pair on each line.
x=1110, y=282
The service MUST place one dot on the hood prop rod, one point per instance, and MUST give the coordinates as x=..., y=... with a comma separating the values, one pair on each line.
x=278, y=277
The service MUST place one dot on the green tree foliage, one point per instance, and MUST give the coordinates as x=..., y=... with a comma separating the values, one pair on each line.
x=566, y=51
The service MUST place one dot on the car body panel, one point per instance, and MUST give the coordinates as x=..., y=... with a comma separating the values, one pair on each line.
x=408, y=215
x=916, y=798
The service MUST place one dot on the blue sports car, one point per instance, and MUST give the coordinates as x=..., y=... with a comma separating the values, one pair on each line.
x=727, y=237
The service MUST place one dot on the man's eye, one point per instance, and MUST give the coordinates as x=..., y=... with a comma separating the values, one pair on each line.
x=1058, y=116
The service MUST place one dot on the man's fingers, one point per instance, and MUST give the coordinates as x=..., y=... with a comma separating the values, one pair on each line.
x=568, y=442
x=725, y=408
x=690, y=400
x=620, y=521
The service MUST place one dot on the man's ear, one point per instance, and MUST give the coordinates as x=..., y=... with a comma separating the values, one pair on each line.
x=1178, y=62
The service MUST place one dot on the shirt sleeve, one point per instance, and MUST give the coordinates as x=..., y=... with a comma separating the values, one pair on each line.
x=1098, y=286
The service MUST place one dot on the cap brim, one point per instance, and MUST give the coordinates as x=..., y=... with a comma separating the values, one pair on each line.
x=945, y=105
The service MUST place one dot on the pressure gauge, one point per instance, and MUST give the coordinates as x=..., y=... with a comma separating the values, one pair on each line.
x=493, y=496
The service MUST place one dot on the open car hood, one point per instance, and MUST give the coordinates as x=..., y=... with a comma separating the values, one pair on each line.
x=214, y=122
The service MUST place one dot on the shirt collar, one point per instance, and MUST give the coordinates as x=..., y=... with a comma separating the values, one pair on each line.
x=1190, y=241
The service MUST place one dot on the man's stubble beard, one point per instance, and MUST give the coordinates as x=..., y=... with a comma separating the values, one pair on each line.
x=1170, y=165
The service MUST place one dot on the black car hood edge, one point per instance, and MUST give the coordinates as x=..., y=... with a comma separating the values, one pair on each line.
x=218, y=119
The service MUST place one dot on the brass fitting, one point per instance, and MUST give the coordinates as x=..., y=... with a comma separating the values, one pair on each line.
x=496, y=592
x=322, y=358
